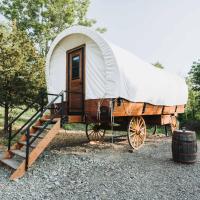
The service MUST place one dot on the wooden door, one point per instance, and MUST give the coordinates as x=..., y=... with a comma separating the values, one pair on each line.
x=76, y=81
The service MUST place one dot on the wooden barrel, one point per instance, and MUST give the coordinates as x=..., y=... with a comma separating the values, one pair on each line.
x=184, y=146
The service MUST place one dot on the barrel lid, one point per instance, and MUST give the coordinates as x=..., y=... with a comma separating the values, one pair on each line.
x=184, y=131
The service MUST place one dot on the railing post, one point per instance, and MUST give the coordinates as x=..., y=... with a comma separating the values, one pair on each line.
x=9, y=136
x=62, y=110
x=42, y=103
x=27, y=148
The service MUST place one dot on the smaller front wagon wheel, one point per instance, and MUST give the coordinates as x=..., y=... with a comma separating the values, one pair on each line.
x=94, y=132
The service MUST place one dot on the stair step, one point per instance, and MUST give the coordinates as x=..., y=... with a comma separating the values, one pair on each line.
x=39, y=136
x=24, y=143
x=35, y=153
x=41, y=127
x=47, y=120
x=19, y=153
x=11, y=163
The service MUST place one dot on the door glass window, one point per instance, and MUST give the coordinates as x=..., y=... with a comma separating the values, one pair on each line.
x=75, y=67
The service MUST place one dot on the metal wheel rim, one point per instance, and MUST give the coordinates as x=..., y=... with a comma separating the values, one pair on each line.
x=136, y=132
x=94, y=134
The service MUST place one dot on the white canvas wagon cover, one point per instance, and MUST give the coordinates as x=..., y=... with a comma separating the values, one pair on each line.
x=112, y=72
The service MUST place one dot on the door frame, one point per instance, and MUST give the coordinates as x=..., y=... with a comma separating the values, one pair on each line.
x=82, y=48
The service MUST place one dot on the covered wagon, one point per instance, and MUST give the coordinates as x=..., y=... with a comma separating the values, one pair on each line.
x=107, y=87
x=97, y=83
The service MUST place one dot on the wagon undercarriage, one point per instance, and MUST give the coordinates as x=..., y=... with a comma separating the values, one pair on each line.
x=121, y=115
x=136, y=128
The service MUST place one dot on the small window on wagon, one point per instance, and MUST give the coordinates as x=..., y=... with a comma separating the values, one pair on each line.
x=75, y=67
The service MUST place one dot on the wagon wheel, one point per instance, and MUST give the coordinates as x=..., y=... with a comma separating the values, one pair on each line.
x=94, y=132
x=136, y=132
x=174, y=124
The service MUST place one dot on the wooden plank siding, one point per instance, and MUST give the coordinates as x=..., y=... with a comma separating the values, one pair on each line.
x=180, y=109
x=169, y=110
x=91, y=106
x=152, y=110
x=165, y=119
x=127, y=108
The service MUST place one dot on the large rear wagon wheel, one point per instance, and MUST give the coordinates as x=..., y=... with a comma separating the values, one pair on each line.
x=136, y=132
x=94, y=132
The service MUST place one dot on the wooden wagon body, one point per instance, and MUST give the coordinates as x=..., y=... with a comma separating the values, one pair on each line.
x=125, y=108
x=121, y=115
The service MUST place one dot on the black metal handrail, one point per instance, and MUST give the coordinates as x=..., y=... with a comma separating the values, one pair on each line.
x=43, y=128
x=26, y=109
x=30, y=106
x=45, y=109
x=31, y=120
x=10, y=125
x=11, y=137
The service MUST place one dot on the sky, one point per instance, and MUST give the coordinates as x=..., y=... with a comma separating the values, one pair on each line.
x=167, y=31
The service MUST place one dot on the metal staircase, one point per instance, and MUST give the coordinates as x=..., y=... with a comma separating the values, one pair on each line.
x=33, y=136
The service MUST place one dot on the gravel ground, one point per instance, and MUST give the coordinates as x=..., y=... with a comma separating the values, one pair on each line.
x=73, y=169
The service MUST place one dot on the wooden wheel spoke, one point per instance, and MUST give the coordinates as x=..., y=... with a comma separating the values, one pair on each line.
x=137, y=120
x=137, y=141
x=101, y=132
x=134, y=140
x=91, y=132
x=132, y=130
x=142, y=131
x=142, y=126
x=141, y=123
x=141, y=136
x=132, y=134
x=96, y=136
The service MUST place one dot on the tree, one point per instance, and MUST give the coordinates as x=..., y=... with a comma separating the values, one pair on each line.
x=158, y=65
x=21, y=70
x=44, y=19
x=195, y=76
x=101, y=30
x=193, y=101
x=193, y=81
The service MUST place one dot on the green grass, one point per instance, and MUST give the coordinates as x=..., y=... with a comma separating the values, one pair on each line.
x=16, y=125
x=14, y=113
x=74, y=126
x=160, y=130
